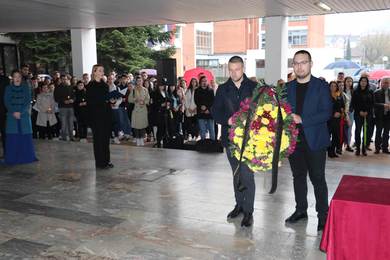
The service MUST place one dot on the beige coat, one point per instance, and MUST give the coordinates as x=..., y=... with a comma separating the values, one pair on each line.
x=139, y=116
x=189, y=103
x=45, y=102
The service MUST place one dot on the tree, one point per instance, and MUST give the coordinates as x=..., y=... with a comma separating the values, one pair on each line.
x=130, y=49
x=50, y=49
x=120, y=49
x=375, y=46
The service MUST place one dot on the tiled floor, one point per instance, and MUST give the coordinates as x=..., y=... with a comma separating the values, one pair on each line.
x=155, y=204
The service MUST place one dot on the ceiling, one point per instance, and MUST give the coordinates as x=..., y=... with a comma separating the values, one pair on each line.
x=48, y=15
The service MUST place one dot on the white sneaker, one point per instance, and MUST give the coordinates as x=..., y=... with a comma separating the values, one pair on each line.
x=141, y=143
x=116, y=140
x=83, y=140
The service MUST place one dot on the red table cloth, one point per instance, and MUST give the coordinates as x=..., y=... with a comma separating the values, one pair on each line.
x=358, y=223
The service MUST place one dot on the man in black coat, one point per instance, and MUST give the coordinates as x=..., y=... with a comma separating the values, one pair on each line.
x=204, y=98
x=226, y=103
x=382, y=116
x=4, y=82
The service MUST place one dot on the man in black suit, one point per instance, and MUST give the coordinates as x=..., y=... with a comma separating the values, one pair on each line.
x=4, y=81
x=382, y=116
x=226, y=103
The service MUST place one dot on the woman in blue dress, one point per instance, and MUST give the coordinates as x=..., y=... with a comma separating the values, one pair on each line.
x=19, y=144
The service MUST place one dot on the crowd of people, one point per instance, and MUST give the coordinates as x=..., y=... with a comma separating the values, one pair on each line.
x=144, y=110
x=367, y=107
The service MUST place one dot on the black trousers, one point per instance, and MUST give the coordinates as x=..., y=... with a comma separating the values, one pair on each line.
x=46, y=131
x=246, y=198
x=302, y=161
x=2, y=131
x=101, y=142
x=35, y=128
x=334, y=130
x=382, y=132
x=191, y=126
x=82, y=127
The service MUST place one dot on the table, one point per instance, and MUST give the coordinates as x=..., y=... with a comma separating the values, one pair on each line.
x=358, y=223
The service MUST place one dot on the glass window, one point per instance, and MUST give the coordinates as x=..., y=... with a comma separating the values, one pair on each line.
x=203, y=42
x=10, y=58
x=298, y=18
x=297, y=38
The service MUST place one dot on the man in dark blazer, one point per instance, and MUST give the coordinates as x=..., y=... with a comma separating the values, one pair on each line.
x=226, y=103
x=382, y=116
x=4, y=82
x=312, y=108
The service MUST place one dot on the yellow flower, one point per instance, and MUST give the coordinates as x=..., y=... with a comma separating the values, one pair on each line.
x=248, y=154
x=285, y=142
x=259, y=111
x=263, y=131
x=267, y=107
x=284, y=114
x=274, y=113
x=238, y=140
x=264, y=121
x=239, y=131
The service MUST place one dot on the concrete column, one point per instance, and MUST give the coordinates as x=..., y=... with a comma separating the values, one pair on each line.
x=84, y=54
x=276, y=46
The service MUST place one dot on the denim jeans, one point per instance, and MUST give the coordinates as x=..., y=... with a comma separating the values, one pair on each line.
x=124, y=122
x=206, y=125
x=67, y=118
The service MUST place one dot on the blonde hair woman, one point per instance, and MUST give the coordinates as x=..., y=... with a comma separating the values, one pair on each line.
x=99, y=113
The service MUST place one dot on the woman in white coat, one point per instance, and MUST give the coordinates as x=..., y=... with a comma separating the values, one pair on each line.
x=139, y=118
x=46, y=113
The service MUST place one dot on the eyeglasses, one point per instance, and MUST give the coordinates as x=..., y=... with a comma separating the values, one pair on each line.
x=304, y=63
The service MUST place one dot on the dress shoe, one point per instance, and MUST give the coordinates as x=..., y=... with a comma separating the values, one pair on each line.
x=110, y=165
x=320, y=226
x=296, y=216
x=349, y=149
x=338, y=151
x=247, y=221
x=357, y=152
x=364, y=153
x=235, y=212
x=376, y=151
x=368, y=148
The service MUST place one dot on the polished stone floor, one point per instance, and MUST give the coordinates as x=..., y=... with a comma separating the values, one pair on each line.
x=155, y=204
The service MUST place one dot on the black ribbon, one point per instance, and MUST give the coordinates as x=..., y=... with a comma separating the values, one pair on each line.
x=275, y=159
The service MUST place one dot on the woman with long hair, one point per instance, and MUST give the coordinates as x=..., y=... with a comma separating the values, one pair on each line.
x=19, y=147
x=348, y=91
x=139, y=119
x=362, y=104
x=99, y=113
x=190, y=123
x=174, y=119
x=334, y=121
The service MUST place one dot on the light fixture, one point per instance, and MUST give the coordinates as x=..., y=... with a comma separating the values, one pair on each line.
x=323, y=6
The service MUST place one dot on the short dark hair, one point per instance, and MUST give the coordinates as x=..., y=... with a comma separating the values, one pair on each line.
x=303, y=52
x=15, y=71
x=24, y=65
x=236, y=59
